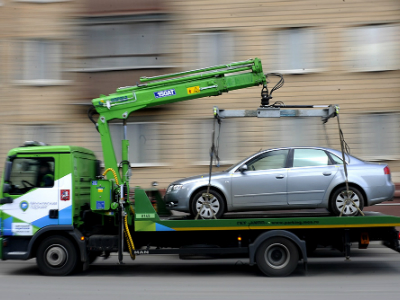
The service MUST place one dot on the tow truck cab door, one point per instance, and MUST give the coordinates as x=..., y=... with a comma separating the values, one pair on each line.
x=35, y=193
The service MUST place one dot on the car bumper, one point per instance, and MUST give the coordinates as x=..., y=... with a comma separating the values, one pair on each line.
x=177, y=201
x=385, y=193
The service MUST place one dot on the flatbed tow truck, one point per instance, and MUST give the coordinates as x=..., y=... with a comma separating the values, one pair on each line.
x=57, y=207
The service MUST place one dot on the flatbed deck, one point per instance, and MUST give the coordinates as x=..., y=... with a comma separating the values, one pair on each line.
x=147, y=219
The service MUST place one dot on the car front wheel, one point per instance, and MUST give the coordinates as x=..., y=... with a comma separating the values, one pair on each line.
x=344, y=204
x=207, y=207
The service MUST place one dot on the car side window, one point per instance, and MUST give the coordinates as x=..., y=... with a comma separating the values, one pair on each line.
x=336, y=160
x=310, y=158
x=270, y=160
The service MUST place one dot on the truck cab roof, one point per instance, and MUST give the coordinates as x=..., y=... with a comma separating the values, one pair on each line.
x=48, y=149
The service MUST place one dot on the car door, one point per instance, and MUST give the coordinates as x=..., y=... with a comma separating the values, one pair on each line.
x=309, y=177
x=34, y=191
x=264, y=182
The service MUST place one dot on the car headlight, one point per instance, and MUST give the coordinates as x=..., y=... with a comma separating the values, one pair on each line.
x=174, y=187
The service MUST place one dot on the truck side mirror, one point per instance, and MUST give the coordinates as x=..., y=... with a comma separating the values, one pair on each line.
x=6, y=188
x=7, y=171
x=6, y=200
x=97, y=167
x=243, y=168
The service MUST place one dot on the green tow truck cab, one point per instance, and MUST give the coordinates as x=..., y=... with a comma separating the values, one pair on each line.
x=43, y=190
x=57, y=207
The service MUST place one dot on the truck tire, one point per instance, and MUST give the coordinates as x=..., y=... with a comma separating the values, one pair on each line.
x=337, y=201
x=216, y=205
x=56, y=256
x=277, y=257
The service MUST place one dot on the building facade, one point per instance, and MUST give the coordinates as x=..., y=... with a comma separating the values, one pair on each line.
x=343, y=52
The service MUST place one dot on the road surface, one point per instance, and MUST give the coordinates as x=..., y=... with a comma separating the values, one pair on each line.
x=370, y=274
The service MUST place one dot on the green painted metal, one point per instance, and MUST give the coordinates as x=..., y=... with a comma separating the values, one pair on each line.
x=125, y=162
x=146, y=219
x=100, y=195
x=250, y=62
x=48, y=149
x=144, y=211
x=192, y=85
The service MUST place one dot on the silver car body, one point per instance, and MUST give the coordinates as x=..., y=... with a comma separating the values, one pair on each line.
x=285, y=188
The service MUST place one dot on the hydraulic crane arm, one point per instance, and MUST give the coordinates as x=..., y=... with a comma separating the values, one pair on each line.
x=165, y=89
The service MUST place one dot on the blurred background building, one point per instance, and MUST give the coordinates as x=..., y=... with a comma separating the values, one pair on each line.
x=57, y=55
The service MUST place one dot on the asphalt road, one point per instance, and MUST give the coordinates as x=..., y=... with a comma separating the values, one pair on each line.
x=370, y=274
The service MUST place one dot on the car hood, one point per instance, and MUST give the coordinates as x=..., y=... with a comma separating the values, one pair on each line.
x=200, y=177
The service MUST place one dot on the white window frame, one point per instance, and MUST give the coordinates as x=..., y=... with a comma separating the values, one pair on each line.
x=26, y=64
x=42, y=1
x=51, y=134
x=222, y=48
x=107, y=61
x=294, y=132
x=284, y=50
x=369, y=139
x=198, y=136
x=117, y=148
x=363, y=41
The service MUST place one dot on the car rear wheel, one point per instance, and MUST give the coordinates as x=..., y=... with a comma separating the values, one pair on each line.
x=342, y=203
x=207, y=208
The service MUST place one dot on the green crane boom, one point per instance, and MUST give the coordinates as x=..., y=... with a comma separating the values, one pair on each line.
x=165, y=89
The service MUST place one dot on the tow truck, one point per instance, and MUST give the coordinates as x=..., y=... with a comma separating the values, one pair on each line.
x=82, y=213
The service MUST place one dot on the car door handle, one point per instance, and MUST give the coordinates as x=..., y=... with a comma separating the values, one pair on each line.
x=280, y=176
x=327, y=173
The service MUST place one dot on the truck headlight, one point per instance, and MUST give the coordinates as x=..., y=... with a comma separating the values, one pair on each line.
x=174, y=187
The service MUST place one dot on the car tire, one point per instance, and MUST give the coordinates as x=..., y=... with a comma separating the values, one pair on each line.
x=338, y=200
x=277, y=257
x=56, y=256
x=216, y=205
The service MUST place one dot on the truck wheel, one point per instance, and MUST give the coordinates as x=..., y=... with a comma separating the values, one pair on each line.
x=338, y=201
x=277, y=257
x=56, y=255
x=207, y=207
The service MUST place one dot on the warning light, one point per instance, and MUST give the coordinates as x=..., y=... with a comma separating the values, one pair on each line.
x=398, y=235
x=239, y=238
x=82, y=238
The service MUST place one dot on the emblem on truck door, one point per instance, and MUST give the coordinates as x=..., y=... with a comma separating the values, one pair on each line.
x=65, y=195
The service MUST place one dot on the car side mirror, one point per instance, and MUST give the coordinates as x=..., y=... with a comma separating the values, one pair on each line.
x=243, y=168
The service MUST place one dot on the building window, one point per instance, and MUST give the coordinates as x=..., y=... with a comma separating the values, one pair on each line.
x=373, y=48
x=214, y=48
x=297, y=51
x=199, y=140
x=379, y=136
x=143, y=143
x=124, y=46
x=42, y=133
x=292, y=132
x=42, y=1
x=39, y=62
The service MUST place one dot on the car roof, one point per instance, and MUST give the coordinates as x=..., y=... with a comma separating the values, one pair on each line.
x=333, y=151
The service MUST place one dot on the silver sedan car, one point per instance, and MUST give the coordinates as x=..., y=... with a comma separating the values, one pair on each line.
x=285, y=178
